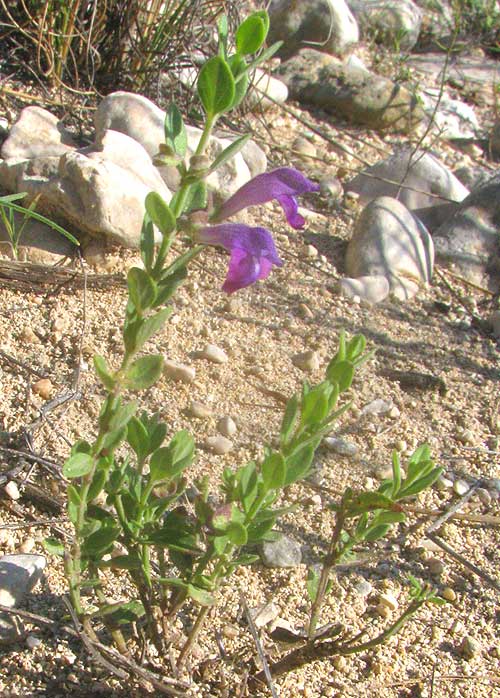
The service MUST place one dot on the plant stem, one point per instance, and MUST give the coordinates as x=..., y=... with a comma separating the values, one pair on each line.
x=192, y=636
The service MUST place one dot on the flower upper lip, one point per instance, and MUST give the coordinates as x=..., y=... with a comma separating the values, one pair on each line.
x=283, y=184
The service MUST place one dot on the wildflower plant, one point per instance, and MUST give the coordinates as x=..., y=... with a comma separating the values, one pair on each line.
x=126, y=492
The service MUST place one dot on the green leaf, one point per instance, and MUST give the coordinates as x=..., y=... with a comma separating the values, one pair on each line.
x=298, y=463
x=138, y=438
x=53, y=546
x=113, y=438
x=160, y=213
x=204, y=598
x=78, y=465
x=376, y=532
x=252, y=32
x=147, y=243
x=312, y=583
x=273, y=471
x=368, y=501
x=175, y=131
x=103, y=373
x=101, y=541
x=216, y=87
x=265, y=55
x=137, y=333
x=220, y=544
x=341, y=372
x=355, y=348
x=229, y=152
x=396, y=474
x=144, y=372
x=289, y=420
x=222, y=31
x=197, y=197
x=98, y=482
x=122, y=562
x=236, y=533
x=247, y=485
x=315, y=404
x=142, y=289
x=123, y=415
x=168, y=285
x=420, y=484
x=239, y=70
x=169, y=461
x=122, y=613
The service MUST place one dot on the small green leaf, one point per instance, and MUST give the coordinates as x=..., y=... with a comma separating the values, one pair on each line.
x=315, y=404
x=236, y=533
x=312, y=583
x=222, y=31
x=103, y=373
x=220, y=544
x=175, y=131
x=298, y=463
x=289, y=419
x=98, y=482
x=122, y=562
x=122, y=613
x=204, y=598
x=229, y=152
x=78, y=465
x=123, y=415
x=113, y=438
x=144, y=372
x=168, y=285
x=239, y=70
x=147, y=243
x=169, y=461
x=138, y=438
x=265, y=55
x=420, y=484
x=368, y=501
x=355, y=348
x=273, y=471
x=216, y=87
x=53, y=546
x=396, y=474
x=142, y=289
x=252, y=32
x=376, y=532
x=160, y=213
x=197, y=197
x=137, y=333
x=341, y=372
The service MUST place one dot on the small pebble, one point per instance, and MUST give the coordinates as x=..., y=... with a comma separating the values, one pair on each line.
x=444, y=483
x=484, y=496
x=469, y=647
x=304, y=148
x=27, y=546
x=449, y=594
x=436, y=567
x=460, y=487
x=465, y=436
x=383, y=611
x=389, y=600
x=218, y=444
x=377, y=407
x=12, y=490
x=363, y=588
x=28, y=336
x=284, y=552
x=32, y=642
x=179, y=372
x=227, y=427
x=394, y=412
x=340, y=446
x=306, y=361
x=200, y=410
x=214, y=354
x=401, y=446
x=43, y=387
x=311, y=251
x=264, y=614
x=231, y=632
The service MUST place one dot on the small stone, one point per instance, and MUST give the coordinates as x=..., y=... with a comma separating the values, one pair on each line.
x=32, y=642
x=18, y=575
x=436, y=567
x=465, y=436
x=27, y=546
x=43, y=387
x=444, y=483
x=264, y=614
x=218, y=445
x=331, y=187
x=484, y=496
x=389, y=600
x=340, y=663
x=200, y=410
x=341, y=446
x=284, y=552
x=306, y=361
x=469, y=647
x=304, y=148
x=377, y=407
x=28, y=336
x=311, y=251
x=214, y=354
x=12, y=490
x=383, y=611
x=179, y=372
x=227, y=427
x=384, y=472
x=394, y=412
x=306, y=311
x=401, y=446
x=449, y=594
x=363, y=588
x=460, y=487
x=231, y=632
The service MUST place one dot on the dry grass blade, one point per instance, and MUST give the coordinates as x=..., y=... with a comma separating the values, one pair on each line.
x=260, y=649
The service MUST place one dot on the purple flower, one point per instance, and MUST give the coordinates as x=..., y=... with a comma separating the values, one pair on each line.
x=283, y=184
x=252, y=251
